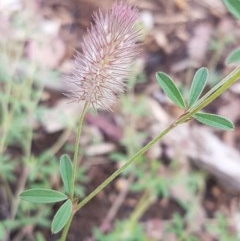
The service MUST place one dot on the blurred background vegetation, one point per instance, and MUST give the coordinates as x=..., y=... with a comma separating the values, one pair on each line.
x=185, y=188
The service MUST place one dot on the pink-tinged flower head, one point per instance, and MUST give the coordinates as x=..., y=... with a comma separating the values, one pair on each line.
x=107, y=51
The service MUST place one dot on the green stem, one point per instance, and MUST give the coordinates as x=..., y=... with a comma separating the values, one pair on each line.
x=66, y=228
x=76, y=148
x=216, y=91
x=211, y=95
x=204, y=101
x=121, y=169
x=5, y=115
x=75, y=164
x=145, y=201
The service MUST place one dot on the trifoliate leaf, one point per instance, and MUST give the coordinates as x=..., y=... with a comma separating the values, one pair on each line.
x=214, y=121
x=61, y=217
x=198, y=84
x=170, y=89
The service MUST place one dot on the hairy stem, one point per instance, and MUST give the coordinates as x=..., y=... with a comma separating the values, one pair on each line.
x=76, y=148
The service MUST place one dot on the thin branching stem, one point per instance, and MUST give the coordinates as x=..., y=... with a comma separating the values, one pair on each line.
x=204, y=101
x=75, y=165
x=76, y=148
x=121, y=169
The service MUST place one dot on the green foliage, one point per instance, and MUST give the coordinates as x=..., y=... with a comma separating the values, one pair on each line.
x=61, y=217
x=149, y=179
x=123, y=230
x=40, y=219
x=39, y=237
x=21, y=90
x=38, y=195
x=2, y=231
x=66, y=172
x=214, y=121
x=7, y=168
x=198, y=84
x=221, y=229
x=19, y=108
x=135, y=106
x=81, y=178
x=234, y=57
x=41, y=167
x=170, y=89
x=233, y=7
x=133, y=111
x=177, y=227
x=19, y=99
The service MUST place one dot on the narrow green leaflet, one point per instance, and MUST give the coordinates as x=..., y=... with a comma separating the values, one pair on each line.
x=214, y=121
x=66, y=172
x=62, y=216
x=170, y=89
x=233, y=7
x=198, y=84
x=234, y=56
x=39, y=195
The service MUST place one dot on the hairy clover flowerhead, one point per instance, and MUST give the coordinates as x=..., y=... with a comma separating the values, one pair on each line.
x=107, y=51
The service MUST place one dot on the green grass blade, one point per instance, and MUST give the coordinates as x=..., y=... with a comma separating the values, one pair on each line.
x=198, y=84
x=66, y=172
x=170, y=89
x=234, y=57
x=39, y=195
x=214, y=121
x=62, y=216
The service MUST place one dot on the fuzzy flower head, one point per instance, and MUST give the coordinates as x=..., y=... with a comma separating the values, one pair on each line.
x=107, y=52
